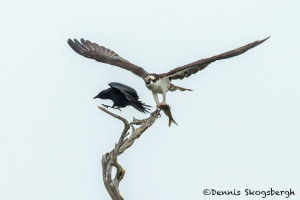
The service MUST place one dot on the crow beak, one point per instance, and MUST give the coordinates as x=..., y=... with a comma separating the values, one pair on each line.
x=95, y=97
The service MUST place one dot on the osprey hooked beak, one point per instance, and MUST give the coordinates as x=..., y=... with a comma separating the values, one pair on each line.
x=150, y=79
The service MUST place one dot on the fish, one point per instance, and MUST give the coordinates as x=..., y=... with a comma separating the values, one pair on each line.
x=167, y=110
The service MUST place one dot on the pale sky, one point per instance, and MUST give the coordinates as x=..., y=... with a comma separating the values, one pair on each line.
x=238, y=129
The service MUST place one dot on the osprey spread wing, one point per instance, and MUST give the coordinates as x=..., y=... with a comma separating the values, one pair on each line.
x=102, y=54
x=157, y=83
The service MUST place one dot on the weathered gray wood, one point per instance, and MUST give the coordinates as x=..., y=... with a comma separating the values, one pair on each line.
x=109, y=160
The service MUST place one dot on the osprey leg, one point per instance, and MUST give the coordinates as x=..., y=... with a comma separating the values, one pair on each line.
x=155, y=98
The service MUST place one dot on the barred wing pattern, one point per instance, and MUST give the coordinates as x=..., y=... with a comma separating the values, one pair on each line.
x=102, y=54
x=192, y=68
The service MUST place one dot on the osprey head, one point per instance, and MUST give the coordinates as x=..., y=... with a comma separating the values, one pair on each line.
x=151, y=79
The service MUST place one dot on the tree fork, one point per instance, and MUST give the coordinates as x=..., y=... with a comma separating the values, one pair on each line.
x=110, y=159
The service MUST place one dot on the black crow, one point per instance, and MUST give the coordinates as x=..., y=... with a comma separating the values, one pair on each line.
x=122, y=96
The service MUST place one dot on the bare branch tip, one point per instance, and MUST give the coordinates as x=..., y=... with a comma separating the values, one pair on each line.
x=126, y=123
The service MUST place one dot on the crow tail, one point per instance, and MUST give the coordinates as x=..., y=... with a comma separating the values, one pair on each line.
x=142, y=107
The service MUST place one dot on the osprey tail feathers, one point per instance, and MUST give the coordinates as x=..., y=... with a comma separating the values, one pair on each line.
x=174, y=88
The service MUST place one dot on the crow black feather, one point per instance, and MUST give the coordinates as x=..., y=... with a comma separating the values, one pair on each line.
x=122, y=96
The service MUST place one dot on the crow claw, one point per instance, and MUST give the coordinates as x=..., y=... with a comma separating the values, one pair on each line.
x=117, y=108
x=106, y=106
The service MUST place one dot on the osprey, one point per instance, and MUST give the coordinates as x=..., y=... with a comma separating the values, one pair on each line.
x=157, y=83
x=122, y=96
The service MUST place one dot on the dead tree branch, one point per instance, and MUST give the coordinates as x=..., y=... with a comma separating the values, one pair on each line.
x=109, y=160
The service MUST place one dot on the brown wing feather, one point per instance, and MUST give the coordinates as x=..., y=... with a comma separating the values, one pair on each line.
x=102, y=54
x=192, y=68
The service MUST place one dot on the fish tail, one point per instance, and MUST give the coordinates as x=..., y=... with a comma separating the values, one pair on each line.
x=172, y=120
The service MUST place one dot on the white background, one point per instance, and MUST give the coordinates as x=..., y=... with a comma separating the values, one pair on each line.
x=238, y=129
